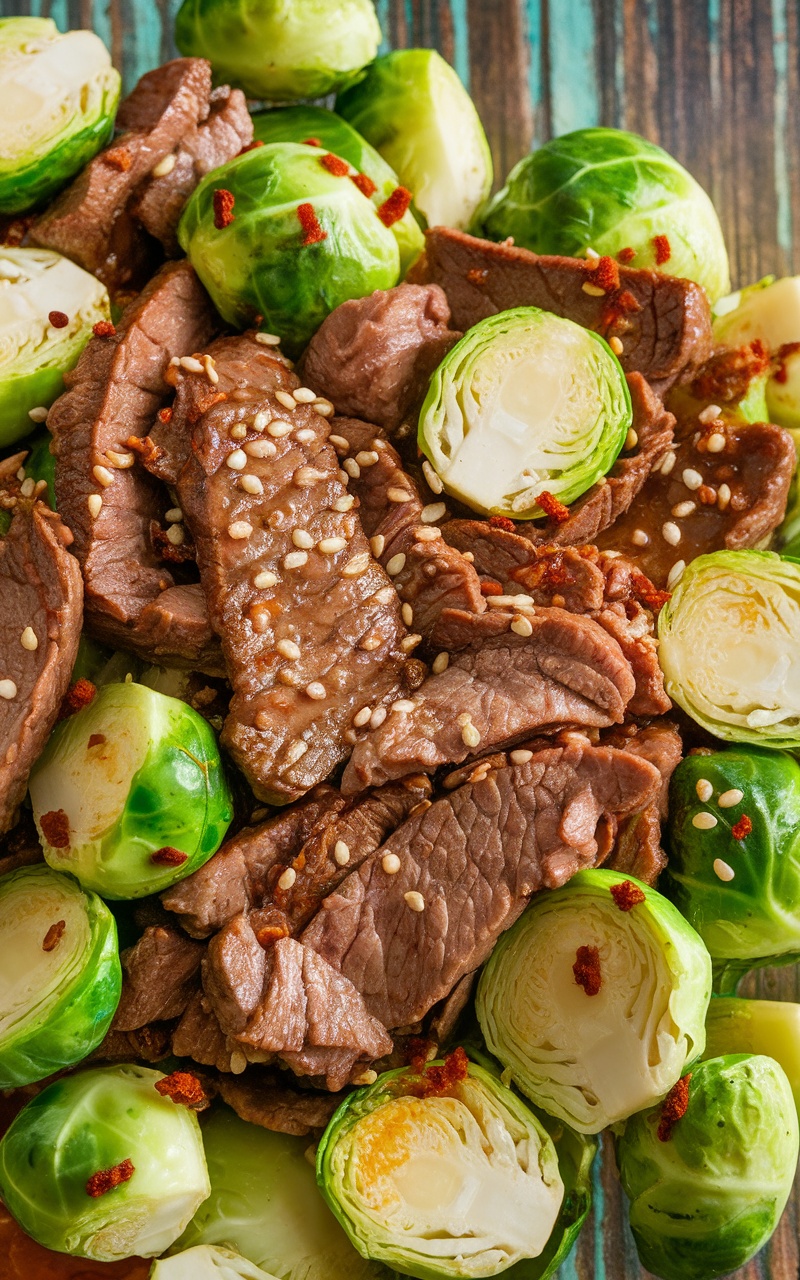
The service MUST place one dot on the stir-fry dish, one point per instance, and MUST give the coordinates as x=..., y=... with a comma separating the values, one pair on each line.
x=399, y=676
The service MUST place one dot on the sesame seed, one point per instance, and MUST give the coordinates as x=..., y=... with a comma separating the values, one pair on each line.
x=28, y=487
x=261, y=421
x=238, y=431
x=407, y=614
x=305, y=435
x=723, y=496
x=240, y=530
x=522, y=626
x=704, y=821
x=287, y=879
x=682, y=509
x=361, y=717
x=639, y=538
x=316, y=691
x=521, y=756
x=351, y=467
x=385, y=596
x=296, y=750
x=616, y=346
x=397, y=495
x=715, y=442
x=278, y=428
x=631, y=439
x=675, y=572
x=8, y=690
x=345, y=503
x=671, y=533
x=410, y=642
x=434, y=483
x=262, y=581
x=390, y=863
x=415, y=900
x=366, y=458
x=267, y=339
x=305, y=477
x=668, y=463
x=238, y=1062
x=251, y=484
x=711, y=412
x=286, y=399
x=94, y=502
x=329, y=546
x=592, y=253
x=164, y=166
x=29, y=640
x=357, y=565
x=323, y=407
x=704, y=790
x=211, y=372
x=301, y=538
x=396, y=564
x=403, y=705
x=304, y=395
x=21, y=473
x=370, y=643
x=593, y=290
x=510, y=602
x=341, y=853
x=120, y=460
x=691, y=478
x=377, y=718
x=295, y=559
x=103, y=476
x=470, y=736
x=427, y=535
x=260, y=449
x=366, y=1077
x=730, y=798
x=38, y=414
x=237, y=460
x=440, y=663
x=288, y=649
x=176, y=535
x=432, y=512
x=340, y=443
x=377, y=544
x=191, y=365
x=722, y=870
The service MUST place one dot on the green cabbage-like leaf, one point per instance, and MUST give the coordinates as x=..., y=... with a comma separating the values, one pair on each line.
x=768, y=1027
x=207, y=1262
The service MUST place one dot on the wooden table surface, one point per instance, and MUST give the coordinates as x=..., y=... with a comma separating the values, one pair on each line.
x=716, y=82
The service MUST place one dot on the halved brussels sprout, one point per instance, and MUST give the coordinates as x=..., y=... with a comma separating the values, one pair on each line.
x=100, y=1165
x=707, y=1189
x=595, y=1000
x=298, y=124
x=768, y=1027
x=525, y=403
x=412, y=107
x=60, y=93
x=130, y=793
x=207, y=1262
x=443, y=1174
x=280, y=50
x=301, y=241
x=729, y=646
x=608, y=190
x=60, y=976
x=47, y=309
x=768, y=311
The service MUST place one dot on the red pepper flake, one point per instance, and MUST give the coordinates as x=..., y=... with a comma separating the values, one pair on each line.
x=742, y=828
x=165, y=415
x=441, y=1079
x=250, y=146
x=312, y=142
x=107, y=1179
x=55, y=828
x=183, y=1088
x=58, y=319
x=663, y=250
x=223, y=208
x=417, y=1052
x=673, y=1108
x=587, y=969
x=647, y=592
x=502, y=522
x=490, y=588
x=627, y=895
x=54, y=935
x=396, y=207
x=788, y=349
x=168, y=857
x=364, y=183
x=478, y=275
x=553, y=509
x=626, y=255
x=339, y=168
x=605, y=274
x=96, y=740
x=312, y=231
x=103, y=329
x=118, y=158
x=269, y=934
x=78, y=696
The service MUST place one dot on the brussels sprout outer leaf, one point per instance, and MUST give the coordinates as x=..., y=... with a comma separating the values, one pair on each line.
x=41, y=465
x=59, y=973
x=705, y=1201
x=768, y=1027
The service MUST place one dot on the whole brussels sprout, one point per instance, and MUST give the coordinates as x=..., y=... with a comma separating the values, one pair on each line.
x=130, y=793
x=595, y=1000
x=47, y=309
x=708, y=1189
x=729, y=646
x=525, y=403
x=769, y=312
x=207, y=1262
x=280, y=50
x=413, y=109
x=301, y=240
x=60, y=93
x=444, y=1174
x=769, y=1027
x=298, y=124
x=100, y=1165
x=608, y=190
x=60, y=976
x=734, y=853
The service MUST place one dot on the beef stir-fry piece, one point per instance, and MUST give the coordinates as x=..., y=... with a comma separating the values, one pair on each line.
x=160, y=975
x=637, y=849
x=264, y=1098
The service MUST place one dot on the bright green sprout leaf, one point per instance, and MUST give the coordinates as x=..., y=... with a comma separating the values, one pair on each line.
x=60, y=94
x=729, y=646
x=207, y=1262
x=259, y=265
x=706, y=1199
x=608, y=190
x=593, y=1059
x=768, y=1027
x=132, y=775
x=60, y=976
x=34, y=353
x=41, y=465
x=525, y=403
x=770, y=312
x=413, y=109
x=91, y=1123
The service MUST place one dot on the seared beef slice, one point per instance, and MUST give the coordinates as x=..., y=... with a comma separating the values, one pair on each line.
x=309, y=622
x=41, y=594
x=160, y=975
x=112, y=396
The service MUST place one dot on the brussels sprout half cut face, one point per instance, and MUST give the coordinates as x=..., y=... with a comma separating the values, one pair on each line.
x=525, y=403
x=595, y=1010
x=60, y=93
x=111, y=1122
x=60, y=976
x=130, y=794
x=729, y=646
x=207, y=1262
x=709, y=1191
x=34, y=353
x=459, y=1181
x=768, y=1027
x=769, y=311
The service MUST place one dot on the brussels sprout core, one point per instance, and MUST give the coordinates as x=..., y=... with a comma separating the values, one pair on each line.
x=525, y=403
x=594, y=1010
x=130, y=795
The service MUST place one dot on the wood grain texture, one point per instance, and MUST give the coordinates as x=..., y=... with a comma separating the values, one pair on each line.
x=716, y=82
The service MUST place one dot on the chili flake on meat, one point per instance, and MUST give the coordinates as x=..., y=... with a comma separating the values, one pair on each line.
x=165, y=415
x=553, y=509
x=627, y=895
x=742, y=828
x=673, y=1108
x=118, y=158
x=587, y=969
x=223, y=208
x=396, y=207
x=107, y=1179
x=184, y=1089
x=55, y=828
x=103, y=329
x=312, y=231
x=364, y=183
x=502, y=522
x=605, y=274
x=663, y=249
x=339, y=168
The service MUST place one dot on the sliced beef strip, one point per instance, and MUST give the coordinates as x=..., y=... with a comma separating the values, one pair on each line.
x=20, y=846
x=160, y=973
x=159, y=201
x=42, y=597
x=149, y=1044
x=637, y=849
x=474, y=857
x=664, y=323
x=499, y=688
x=444, y=1020
x=373, y=356
x=90, y=221
x=432, y=575
x=262, y=1097
x=199, y=1036
x=306, y=653
x=112, y=396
